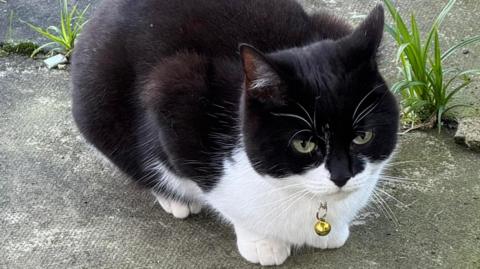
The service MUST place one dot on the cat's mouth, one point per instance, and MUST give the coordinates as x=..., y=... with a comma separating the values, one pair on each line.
x=334, y=191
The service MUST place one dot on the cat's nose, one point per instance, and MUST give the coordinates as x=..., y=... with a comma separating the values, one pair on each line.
x=340, y=181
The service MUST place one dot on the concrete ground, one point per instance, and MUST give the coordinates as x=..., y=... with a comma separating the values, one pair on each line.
x=61, y=207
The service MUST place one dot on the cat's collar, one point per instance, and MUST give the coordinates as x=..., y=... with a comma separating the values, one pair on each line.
x=322, y=227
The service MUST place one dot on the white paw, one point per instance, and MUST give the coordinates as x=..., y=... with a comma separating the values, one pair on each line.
x=178, y=209
x=338, y=237
x=263, y=251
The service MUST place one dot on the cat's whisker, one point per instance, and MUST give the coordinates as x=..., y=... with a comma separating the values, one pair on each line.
x=295, y=134
x=386, y=174
x=292, y=203
x=406, y=183
x=370, y=206
x=399, y=181
x=377, y=205
x=400, y=178
x=403, y=162
x=391, y=197
x=280, y=214
x=306, y=112
x=362, y=113
x=295, y=117
x=395, y=220
x=274, y=191
x=285, y=203
x=380, y=205
x=391, y=214
x=366, y=113
x=279, y=205
x=363, y=100
x=315, y=112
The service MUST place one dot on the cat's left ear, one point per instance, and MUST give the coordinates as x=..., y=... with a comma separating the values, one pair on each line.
x=364, y=41
x=262, y=82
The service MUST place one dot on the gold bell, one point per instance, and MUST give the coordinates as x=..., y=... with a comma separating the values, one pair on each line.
x=322, y=228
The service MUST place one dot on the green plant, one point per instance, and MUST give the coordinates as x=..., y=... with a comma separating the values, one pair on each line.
x=63, y=37
x=427, y=88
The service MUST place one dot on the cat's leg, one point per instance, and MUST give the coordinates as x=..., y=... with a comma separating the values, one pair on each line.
x=259, y=249
x=177, y=208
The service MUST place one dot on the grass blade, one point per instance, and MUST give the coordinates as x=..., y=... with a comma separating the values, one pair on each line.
x=462, y=44
x=441, y=17
x=36, y=51
x=401, y=50
x=455, y=106
x=437, y=24
x=456, y=90
x=401, y=85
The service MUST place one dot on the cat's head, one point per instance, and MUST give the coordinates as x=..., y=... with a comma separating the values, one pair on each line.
x=321, y=115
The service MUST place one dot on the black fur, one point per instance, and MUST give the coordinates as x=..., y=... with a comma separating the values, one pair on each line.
x=163, y=79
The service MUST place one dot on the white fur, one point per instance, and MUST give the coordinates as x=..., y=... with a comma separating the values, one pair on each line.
x=182, y=186
x=261, y=83
x=271, y=215
x=261, y=250
x=178, y=209
x=276, y=212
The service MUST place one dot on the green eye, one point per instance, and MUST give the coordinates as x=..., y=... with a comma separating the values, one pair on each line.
x=363, y=138
x=304, y=146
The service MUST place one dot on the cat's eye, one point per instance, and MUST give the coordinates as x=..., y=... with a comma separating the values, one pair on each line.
x=363, y=138
x=304, y=146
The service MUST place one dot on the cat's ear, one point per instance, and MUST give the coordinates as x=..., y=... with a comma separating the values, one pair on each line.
x=366, y=38
x=262, y=82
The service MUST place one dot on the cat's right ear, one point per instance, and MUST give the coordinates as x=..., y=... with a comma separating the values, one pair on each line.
x=262, y=82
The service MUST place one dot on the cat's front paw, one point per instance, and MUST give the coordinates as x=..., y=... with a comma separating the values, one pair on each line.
x=178, y=209
x=263, y=251
x=336, y=239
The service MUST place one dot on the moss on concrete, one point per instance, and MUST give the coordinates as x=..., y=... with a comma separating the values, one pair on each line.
x=3, y=53
x=22, y=48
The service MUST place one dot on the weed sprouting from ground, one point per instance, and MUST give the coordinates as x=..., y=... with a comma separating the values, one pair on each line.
x=427, y=87
x=63, y=36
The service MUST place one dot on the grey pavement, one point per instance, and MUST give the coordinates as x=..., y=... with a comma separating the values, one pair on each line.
x=63, y=207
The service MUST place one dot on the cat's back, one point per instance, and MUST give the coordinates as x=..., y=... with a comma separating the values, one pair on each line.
x=153, y=28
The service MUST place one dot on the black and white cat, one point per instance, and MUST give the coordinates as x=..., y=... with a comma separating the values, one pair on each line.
x=262, y=133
